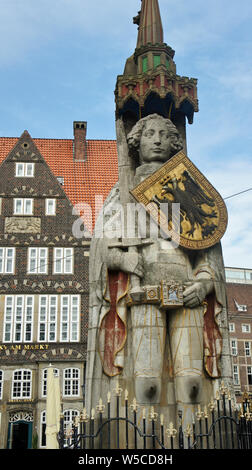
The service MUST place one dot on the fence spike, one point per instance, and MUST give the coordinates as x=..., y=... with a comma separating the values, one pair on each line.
x=188, y=431
x=108, y=397
x=100, y=407
x=126, y=395
x=199, y=413
x=211, y=405
x=153, y=416
x=171, y=431
x=118, y=390
x=84, y=416
x=134, y=405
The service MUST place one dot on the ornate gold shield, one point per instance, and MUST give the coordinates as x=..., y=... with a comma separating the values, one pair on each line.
x=202, y=212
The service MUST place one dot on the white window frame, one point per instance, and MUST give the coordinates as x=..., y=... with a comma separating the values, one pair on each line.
x=1, y=383
x=24, y=169
x=69, y=318
x=48, y=211
x=234, y=347
x=246, y=328
x=242, y=308
x=5, y=258
x=247, y=348
x=71, y=382
x=236, y=374
x=63, y=262
x=18, y=319
x=231, y=327
x=44, y=381
x=23, y=206
x=25, y=381
x=49, y=309
x=37, y=264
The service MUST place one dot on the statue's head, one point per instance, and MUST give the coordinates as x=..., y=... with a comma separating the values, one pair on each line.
x=155, y=138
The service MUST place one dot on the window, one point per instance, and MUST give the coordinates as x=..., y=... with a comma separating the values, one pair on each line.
x=1, y=384
x=69, y=318
x=47, y=327
x=69, y=307
x=236, y=378
x=231, y=327
x=23, y=206
x=50, y=208
x=71, y=383
x=233, y=274
x=167, y=62
x=234, y=347
x=25, y=170
x=43, y=429
x=22, y=384
x=37, y=260
x=60, y=180
x=18, y=318
x=249, y=371
x=7, y=260
x=156, y=60
x=63, y=260
x=144, y=64
x=44, y=381
x=69, y=416
x=247, y=348
x=240, y=308
x=246, y=328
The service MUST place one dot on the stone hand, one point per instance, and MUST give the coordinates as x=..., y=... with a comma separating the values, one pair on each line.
x=196, y=292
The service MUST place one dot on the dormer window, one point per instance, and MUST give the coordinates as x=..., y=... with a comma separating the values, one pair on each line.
x=240, y=307
x=60, y=180
x=24, y=170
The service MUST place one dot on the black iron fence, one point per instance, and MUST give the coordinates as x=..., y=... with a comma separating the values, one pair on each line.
x=220, y=425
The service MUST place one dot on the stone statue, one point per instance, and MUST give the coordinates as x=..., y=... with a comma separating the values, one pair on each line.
x=165, y=358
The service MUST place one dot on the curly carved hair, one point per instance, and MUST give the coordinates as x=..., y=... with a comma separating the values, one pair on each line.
x=135, y=134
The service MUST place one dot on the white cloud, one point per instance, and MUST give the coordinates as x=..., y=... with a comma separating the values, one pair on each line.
x=229, y=179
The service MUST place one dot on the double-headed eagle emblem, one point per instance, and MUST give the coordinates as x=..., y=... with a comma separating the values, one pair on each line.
x=203, y=215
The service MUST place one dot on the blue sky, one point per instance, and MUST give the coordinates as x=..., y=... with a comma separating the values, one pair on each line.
x=59, y=62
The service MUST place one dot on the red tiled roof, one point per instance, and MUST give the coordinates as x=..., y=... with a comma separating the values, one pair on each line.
x=82, y=180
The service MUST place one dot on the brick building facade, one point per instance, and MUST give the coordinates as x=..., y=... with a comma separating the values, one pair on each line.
x=43, y=295
x=239, y=294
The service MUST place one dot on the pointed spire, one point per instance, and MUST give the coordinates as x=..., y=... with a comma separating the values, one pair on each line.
x=150, y=26
x=150, y=83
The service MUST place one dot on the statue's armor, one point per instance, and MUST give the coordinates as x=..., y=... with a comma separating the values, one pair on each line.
x=162, y=262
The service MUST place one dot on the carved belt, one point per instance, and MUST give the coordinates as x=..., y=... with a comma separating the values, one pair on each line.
x=169, y=294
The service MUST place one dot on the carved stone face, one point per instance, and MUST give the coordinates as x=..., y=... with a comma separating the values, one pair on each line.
x=155, y=142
